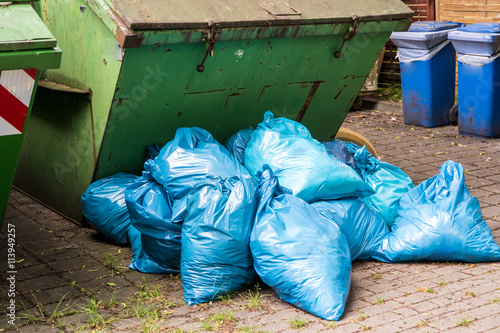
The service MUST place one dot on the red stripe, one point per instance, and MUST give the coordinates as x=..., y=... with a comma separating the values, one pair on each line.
x=12, y=109
x=31, y=72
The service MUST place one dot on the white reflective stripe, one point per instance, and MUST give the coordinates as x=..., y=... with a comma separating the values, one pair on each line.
x=6, y=128
x=19, y=83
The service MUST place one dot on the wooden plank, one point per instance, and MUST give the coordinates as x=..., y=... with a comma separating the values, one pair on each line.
x=471, y=20
x=462, y=13
x=414, y=2
x=393, y=66
x=468, y=8
x=467, y=2
x=462, y=8
x=431, y=10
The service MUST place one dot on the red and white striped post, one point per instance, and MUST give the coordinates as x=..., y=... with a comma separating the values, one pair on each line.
x=16, y=88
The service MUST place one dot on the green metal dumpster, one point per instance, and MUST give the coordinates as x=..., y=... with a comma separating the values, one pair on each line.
x=134, y=72
x=26, y=46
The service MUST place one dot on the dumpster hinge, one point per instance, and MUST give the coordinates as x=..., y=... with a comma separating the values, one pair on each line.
x=209, y=40
x=351, y=32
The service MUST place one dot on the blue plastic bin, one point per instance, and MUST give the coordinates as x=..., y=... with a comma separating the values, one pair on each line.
x=477, y=39
x=478, y=48
x=427, y=72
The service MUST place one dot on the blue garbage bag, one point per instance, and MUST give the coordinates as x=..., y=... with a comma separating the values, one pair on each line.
x=153, y=151
x=301, y=163
x=363, y=229
x=190, y=157
x=134, y=238
x=440, y=221
x=338, y=149
x=158, y=217
x=216, y=257
x=104, y=207
x=389, y=182
x=298, y=252
x=238, y=142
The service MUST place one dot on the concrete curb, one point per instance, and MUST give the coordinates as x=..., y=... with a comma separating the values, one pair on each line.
x=371, y=103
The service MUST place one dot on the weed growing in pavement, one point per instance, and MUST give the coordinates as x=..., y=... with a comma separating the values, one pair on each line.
x=380, y=300
x=177, y=330
x=471, y=293
x=95, y=319
x=43, y=316
x=429, y=290
x=253, y=300
x=109, y=303
x=377, y=276
x=365, y=327
x=111, y=262
x=332, y=324
x=154, y=296
x=495, y=300
x=464, y=322
x=423, y=323
x=218, y=321
x=249, y=329
x=147, y=292
x=139, y=309
x=226, y=299
x=442, y=282
x=298, y=323
x=151, y=321
x=207, y=325
x=362, y=315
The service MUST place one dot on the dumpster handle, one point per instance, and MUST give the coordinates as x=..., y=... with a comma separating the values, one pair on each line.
x=351, y=31
x=296, y=12
x=210, y=39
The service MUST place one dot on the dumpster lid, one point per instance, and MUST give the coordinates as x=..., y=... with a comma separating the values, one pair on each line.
x=429, y=26
x=482, y=28
x=174, y=14
x=22, y=29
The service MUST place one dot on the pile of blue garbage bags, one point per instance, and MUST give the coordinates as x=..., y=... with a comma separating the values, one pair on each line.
x=275, y=203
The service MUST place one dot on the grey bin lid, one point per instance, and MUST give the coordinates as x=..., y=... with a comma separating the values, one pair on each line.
x=175, y=14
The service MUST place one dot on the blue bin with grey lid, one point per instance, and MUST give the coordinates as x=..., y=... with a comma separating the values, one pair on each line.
x=427, y=62
x=478, y=48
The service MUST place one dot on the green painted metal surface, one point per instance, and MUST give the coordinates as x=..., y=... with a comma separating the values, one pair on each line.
x=22, y=29
x=25, y=43
x=173, y=14
x=309, y=71
x=243, y=80
x=41, y=59
x=65, y=131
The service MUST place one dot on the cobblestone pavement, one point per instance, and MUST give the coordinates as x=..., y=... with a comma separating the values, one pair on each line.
x=57, y=258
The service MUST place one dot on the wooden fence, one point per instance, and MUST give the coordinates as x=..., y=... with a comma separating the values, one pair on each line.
x=390, y=72
x=468, y=11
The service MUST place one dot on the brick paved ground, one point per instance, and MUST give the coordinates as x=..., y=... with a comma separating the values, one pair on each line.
x=57, y=258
